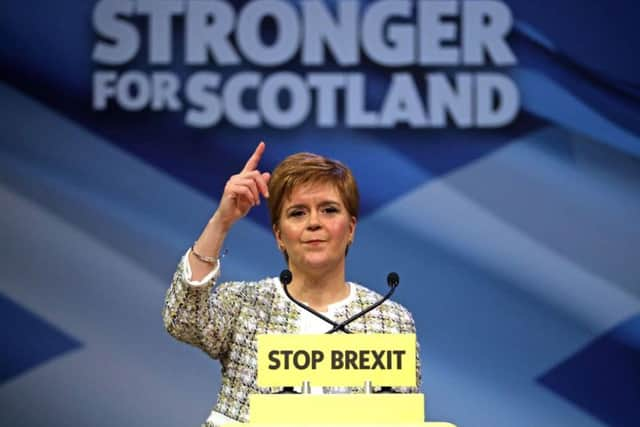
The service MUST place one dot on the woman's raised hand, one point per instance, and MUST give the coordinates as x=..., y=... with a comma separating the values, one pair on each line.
x=241, y=193
x=243, y=190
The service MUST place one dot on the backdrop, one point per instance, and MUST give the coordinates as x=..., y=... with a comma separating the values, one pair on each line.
x=496, y=146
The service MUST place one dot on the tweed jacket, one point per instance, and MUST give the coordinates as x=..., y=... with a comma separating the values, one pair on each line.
x=224, y=323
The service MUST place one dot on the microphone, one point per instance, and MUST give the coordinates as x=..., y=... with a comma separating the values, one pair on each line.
x=393, y=280
x=285, y=278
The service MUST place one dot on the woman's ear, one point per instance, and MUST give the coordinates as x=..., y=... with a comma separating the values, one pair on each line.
x=281, y=247
x=352, y=228
x=277, y=235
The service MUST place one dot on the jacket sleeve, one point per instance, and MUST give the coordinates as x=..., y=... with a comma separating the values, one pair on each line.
x=195, y=314
x=409, y=327
x=418, y=387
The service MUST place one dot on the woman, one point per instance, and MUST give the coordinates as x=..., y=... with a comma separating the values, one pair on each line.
x=313, y=204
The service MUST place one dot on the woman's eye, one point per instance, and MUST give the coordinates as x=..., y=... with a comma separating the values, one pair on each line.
x=331, y=209
x=296, y=213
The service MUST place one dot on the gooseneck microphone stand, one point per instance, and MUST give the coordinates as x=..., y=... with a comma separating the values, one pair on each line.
x=285, y=279
x=392, y=280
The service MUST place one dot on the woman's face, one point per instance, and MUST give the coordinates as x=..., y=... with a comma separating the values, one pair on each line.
x=315, y=228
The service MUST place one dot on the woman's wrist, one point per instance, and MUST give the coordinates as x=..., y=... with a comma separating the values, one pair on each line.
x=213, y=260
x=219, y=225
x=207, y=248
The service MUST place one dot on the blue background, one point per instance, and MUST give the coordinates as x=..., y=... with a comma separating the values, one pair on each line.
x=517, y=247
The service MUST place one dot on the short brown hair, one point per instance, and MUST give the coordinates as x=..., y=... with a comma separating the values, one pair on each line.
x=308, y=168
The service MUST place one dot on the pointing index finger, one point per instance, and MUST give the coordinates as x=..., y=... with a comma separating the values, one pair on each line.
x=252, y=163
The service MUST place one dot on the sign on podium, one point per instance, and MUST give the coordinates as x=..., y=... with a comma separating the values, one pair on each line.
x=375, y=363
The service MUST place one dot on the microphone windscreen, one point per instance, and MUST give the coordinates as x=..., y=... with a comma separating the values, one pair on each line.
x=393, y=279
x=285, y=277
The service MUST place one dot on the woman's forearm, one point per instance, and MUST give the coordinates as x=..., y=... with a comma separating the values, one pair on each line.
x=208, y=245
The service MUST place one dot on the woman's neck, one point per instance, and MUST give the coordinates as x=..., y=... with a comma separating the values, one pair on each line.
x=318, y=290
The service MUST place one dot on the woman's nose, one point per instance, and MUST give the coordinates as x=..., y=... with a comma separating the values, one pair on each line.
x=314, y=221
x=313, y=226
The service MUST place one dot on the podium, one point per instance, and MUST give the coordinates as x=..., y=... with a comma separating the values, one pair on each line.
x=337, y=360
